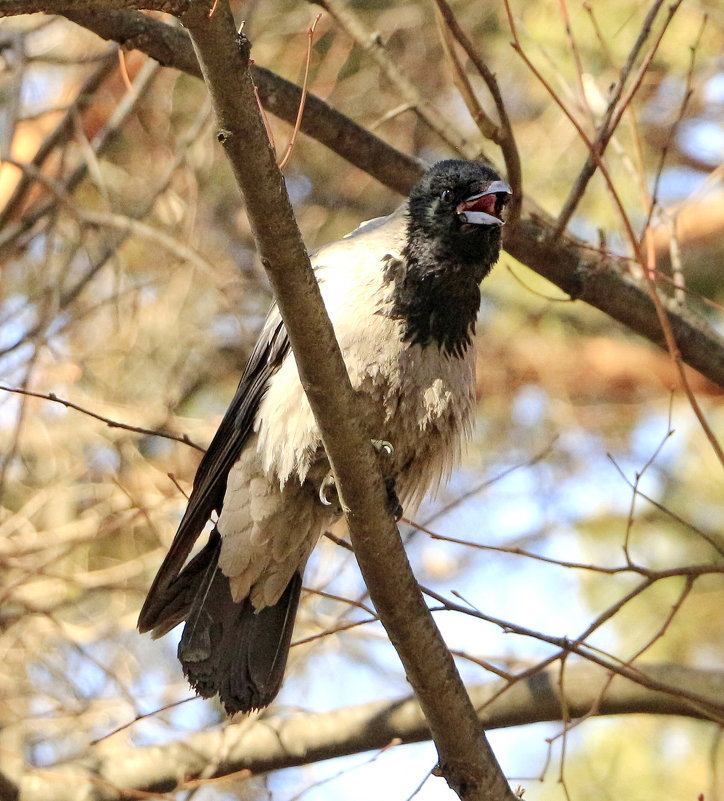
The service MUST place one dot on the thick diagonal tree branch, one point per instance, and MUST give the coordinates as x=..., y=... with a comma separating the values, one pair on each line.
x=278, y=743
x=601, y=281
x=10, y=8
x=466, y=760
x=172, y=47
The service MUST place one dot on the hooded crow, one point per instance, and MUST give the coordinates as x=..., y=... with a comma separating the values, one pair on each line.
x=403, y=294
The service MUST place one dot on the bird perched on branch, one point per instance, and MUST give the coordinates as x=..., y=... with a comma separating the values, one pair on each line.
x=403, y=294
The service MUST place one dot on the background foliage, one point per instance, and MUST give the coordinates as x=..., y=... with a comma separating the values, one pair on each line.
x=133, y=292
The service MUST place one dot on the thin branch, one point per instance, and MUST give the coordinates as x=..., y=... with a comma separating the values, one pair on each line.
x=637, y=480
x=548, y=298
x=51, y=396
x=673, y=346
x=144, y=716
x=573, y=47
x=652, y=197
x=303, y=101
x=699, y=704
x=653, y=575
x=594, y=153
x=371, y=43
x=709, y=537
x=486, y=126
x=483, y=485
x=613, y=114
x=506, y=138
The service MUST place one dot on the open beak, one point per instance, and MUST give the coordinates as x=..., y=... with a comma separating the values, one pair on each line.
x=487, y=207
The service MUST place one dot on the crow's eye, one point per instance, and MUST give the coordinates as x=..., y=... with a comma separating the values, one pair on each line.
x=446, y=196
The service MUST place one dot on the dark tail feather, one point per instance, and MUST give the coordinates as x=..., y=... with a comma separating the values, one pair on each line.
x=164, y=609
x=227, y=648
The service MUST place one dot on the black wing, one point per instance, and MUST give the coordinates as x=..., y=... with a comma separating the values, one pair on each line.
x=166, y=605
x=209, y=487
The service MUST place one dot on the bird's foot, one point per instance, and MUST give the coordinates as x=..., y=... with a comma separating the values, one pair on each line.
x=394, y=507
x=328, y=495
x=393, y=502
x=382, y=446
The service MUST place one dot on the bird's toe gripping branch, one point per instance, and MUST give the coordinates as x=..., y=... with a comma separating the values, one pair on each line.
x=382, y=446
x=394, y=507
x=328, y=495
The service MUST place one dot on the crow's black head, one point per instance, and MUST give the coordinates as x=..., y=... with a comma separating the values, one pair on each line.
x=455, y=213
x=453, y=239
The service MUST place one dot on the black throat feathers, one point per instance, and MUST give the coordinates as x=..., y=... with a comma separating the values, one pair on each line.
x=436, y=296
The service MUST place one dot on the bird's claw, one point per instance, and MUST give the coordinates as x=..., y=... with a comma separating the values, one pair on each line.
x=327, y=482
x=381, y=445
x=393, y=504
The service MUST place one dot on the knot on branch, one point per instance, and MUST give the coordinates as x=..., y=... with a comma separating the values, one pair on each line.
x=460, y=779
x=244, y=45
x=223, y=135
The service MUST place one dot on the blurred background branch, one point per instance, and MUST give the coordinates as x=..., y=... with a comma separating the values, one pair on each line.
x=279, y=743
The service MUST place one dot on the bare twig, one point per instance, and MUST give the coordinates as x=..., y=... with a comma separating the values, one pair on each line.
x=614, y=111
x=629, y=567
x=505, y=137
x=303, y=101
x=371, y=43
x=635, y=487
x=593, y=151
x=673, y=347
x=124, y=71
x=573, y=47
x=51, y=396
x=143, y=716
x=535, y=292
x=486, y=126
